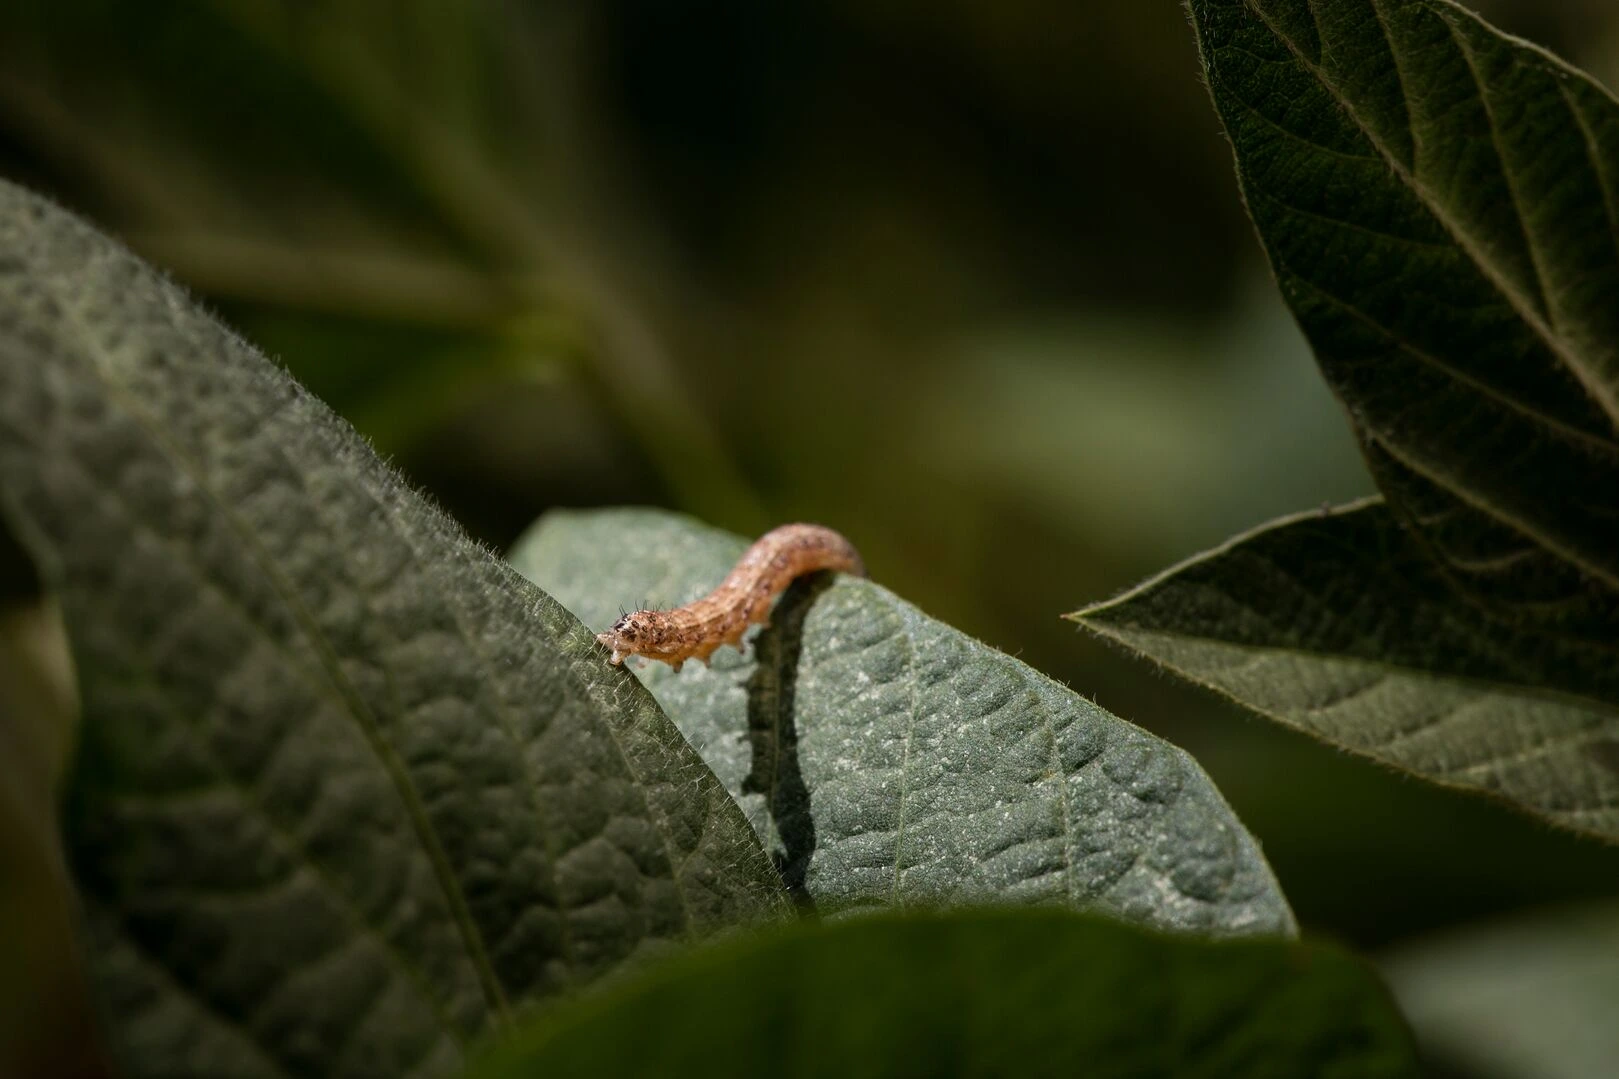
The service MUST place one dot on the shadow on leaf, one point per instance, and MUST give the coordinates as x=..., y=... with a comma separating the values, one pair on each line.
x=773, y=733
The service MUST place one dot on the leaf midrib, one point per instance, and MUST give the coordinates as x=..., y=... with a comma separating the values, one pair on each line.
x=1379, y=752
x=1093, y=618
x=1554, y=425
x=230, y=782
x=296, y=852
x=905, y=762
x=1555, y=344
x=1610, y=193
x=355, y=705
x=1474, y=499
x=508, y=724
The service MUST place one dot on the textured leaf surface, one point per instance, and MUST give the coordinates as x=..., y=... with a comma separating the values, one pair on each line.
x=1530, y=998
x=1025, y=993
x=1441, y=207
x=349, y=789
x=1338, y=624
x=888, y=759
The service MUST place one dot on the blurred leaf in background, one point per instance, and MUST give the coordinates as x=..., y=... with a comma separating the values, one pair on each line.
x=1071, y=996
x=1520, y=998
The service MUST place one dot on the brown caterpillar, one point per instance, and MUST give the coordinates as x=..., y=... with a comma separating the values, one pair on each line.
x=743, y=598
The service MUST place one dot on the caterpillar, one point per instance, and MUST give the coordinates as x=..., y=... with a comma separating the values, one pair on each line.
x=696, y=630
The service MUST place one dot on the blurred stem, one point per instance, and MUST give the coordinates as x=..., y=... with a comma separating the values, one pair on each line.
x=634, y=371
x=620, y=362
x=390, y=286
x=136, y=188
x=530, y=349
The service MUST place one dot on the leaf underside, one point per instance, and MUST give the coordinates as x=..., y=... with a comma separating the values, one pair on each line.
x=1338, y=624
x=1067, y=996
x=1440, y=203
x=885, y=758
x=349, y=789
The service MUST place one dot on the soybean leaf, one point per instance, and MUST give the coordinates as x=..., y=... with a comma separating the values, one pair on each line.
x=888, y=759
x=1440, y=203
x=1525, y=998
x=977, y=994
x=1338, y=624
x=348, y=789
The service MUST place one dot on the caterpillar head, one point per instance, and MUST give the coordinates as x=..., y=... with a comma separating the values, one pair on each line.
x=637, y=633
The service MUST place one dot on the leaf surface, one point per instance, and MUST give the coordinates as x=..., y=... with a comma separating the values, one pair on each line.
x=978, y=994
x=1440, y=203
x=1338, y=624
x=888, y=759
x=348, y=790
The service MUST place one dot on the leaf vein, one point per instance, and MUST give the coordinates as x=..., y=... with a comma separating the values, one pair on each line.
x=204, y=1007
x=352, y=702
x=593, y=690
x=1610, y=197
x=1520, y=305
x=1484, y=505
x=1514, y=196
x=291, y=846
x=1554, y=426
x=1356, y=226
x=905, y=760
x=506, y=718
x=1545, y=747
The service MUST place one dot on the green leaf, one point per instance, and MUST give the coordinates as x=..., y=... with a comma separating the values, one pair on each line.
x=1338, y=624
x=977, y=994
x=888, y=759
x=1440, y=203
x=1526, y=998
x=349, y=790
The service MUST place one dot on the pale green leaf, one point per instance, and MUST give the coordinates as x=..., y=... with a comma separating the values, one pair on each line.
x=1529, y=997
x=349, y=790
x=978, y=994
x=1440, y=203
x=888, y=759
x=1338, y=624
